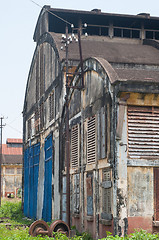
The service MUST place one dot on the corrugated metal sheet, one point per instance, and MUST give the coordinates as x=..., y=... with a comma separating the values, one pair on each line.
x=75, y=146
x=91, y=140
x=47, y=204
x=143, y=132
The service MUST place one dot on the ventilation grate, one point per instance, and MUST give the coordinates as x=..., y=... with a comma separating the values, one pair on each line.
x=143, y=132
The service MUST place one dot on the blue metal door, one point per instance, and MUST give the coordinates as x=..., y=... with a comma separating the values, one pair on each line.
x=31, y=182
x=26, y=181
x=47, y=204
x=35, y=177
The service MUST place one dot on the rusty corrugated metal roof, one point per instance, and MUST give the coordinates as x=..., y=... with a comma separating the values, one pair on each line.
x=11, y=150
x=11, y=159
x=14, y=140
x=113, y=52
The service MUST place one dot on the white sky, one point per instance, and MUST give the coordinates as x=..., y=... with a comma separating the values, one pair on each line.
x=17, y=23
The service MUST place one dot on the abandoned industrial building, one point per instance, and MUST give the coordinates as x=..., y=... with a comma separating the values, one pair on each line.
x=108, y=83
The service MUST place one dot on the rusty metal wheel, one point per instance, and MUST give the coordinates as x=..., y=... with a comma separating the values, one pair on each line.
x=38, y=227
x=59, y=226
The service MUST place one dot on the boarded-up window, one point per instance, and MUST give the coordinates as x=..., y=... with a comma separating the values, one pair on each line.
x=89, y=185
x=75, y=141
x=106, y=194
x=143, y=132
x=102, y=133
x=76, y=195
x=52, y=106
x=9, y=170
x=91, y=140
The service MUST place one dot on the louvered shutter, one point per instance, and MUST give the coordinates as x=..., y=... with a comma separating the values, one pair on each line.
x=75, y=146
x=52, y=106
x=143, y=132
x=76, y=194
x=106, y=194
x=91, y=140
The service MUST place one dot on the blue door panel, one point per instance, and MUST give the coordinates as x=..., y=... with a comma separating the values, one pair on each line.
x=35, y=177
x=31, y=181
x=31, y=172
x=47, y=204
x=26, y=182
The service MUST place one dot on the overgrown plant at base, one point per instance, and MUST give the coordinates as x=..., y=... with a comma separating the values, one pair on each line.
x=18, y=229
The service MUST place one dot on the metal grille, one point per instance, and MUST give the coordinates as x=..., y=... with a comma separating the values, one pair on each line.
x=143, y=132
x=52, y=106
x=91, y=140
x=75, y=146
x=106, y=192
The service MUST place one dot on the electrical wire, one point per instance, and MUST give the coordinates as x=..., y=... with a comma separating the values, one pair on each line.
x=13, y=128
x=52, y=13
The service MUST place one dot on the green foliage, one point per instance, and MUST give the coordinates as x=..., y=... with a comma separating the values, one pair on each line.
x=143, y=235
x=13, y=211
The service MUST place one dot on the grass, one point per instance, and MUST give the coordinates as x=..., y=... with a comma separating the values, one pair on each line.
x=16, y=227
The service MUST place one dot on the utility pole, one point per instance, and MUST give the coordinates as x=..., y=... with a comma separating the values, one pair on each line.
x=67, y=138
x=1, y=127
x=68, y=86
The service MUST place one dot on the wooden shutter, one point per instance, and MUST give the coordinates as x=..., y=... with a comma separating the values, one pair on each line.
x=89, y=186
x=91, y=140
x=106, y=193
x=102, y=133
x=143, y=132
x=29, y=128
x=37, y=120
x=52, y=106
x=41, y=116
x=76, y=195
x=75, y=141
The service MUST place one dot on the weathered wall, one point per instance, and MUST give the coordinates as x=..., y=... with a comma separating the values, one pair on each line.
x=11, y=179
x=90, y=109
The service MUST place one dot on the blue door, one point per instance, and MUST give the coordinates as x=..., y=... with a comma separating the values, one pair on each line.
x=26, y=182
x=31, y=182
x=47, y=204
x=35, y=177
